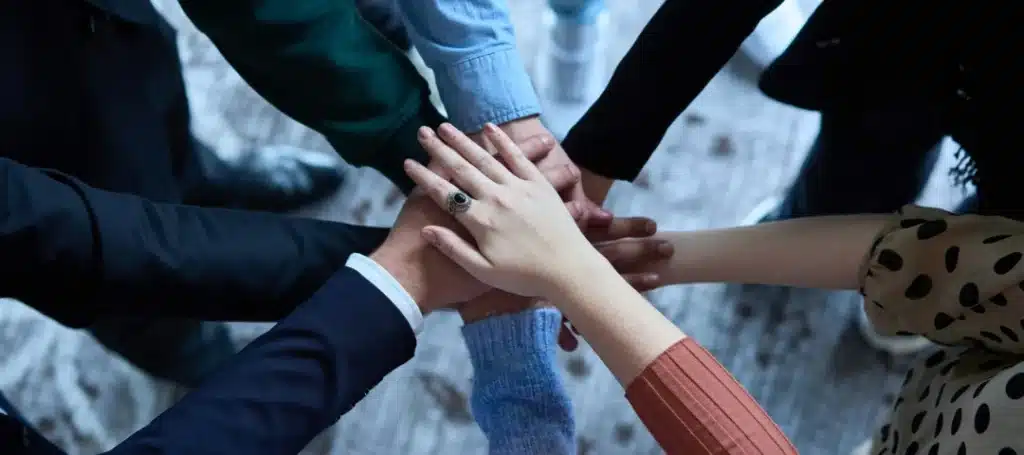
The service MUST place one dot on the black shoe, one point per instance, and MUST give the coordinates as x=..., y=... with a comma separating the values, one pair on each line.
x=271, y=178
x=384, y=16
x=181, y=351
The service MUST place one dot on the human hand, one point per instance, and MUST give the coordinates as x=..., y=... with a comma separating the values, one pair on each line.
x=537, y=144
x=526, y=239
x=634, y=259
x=432, y=279
x=419, y=267
x=551, y=163
x=625, y=240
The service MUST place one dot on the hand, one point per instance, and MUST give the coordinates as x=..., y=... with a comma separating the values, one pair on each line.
x=432, y=279
x=552, y=163
x=537, y=145
x=634, y=258
x=526, y=239
x=418, y=266
x=627, y=241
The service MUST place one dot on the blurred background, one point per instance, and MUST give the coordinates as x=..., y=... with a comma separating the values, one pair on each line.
x=796, y=351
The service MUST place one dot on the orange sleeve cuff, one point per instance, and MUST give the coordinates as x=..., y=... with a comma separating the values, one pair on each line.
x=693, y=406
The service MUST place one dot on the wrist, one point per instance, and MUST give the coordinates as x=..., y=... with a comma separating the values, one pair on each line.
x=585, y=270
x=523, y=128
x=595, y=186
x=397, y=264
x=496, y=303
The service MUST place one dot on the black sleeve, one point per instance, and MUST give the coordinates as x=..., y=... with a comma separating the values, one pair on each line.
x=682, y=47
x=74, y=253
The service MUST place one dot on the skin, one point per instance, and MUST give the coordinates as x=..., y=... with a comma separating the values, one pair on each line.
x=516, y=221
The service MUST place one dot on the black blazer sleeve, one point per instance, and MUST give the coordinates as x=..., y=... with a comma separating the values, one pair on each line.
x=682, y=47
x=291, y=383
x=75, y=253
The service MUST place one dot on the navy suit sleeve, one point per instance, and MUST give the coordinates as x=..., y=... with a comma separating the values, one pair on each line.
x=291, y=383
x=78, y=253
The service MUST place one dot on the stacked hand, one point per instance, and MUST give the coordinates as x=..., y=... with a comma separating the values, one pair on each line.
x=526, y=239
x=588, y=212
x=436, y=282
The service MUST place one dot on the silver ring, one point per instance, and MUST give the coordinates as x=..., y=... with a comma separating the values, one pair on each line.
x=458, y=202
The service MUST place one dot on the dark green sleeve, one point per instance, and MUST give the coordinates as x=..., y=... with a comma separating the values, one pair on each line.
x=320, y=63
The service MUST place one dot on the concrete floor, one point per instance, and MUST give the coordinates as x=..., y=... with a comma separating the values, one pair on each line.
x=795, y=350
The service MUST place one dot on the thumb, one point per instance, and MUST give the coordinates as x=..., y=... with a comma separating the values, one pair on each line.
x=457, y=249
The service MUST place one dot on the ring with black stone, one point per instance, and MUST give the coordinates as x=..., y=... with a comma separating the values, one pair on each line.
x=458, y=202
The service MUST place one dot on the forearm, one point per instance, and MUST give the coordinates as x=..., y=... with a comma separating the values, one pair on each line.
x=819, y=252
x=204, y=263
x=658, y=78
x=120, y=254
x=518, y=398
x=471, y=47
x=321, y=64
x=692, y=405
x=292, y=382
x=622, y=327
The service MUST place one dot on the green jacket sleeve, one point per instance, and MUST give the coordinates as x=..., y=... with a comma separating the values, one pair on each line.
x=320, y=63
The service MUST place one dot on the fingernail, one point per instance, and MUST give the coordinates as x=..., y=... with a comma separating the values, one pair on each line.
x=604, y=213
x=650, y=278
x=447, y=129
x=546, y=140
x=665, y=249
x=651, y=227
x=429, y=235
x=425, y=132
x=490, y=127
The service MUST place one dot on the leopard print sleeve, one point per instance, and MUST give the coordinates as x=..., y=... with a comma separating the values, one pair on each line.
x=955, y=279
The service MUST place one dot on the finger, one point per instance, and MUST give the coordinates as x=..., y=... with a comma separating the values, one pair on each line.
x=643, y=282
x=436, y=168
x=577, y=212
x=620, y=228
x=567, y=340
x=439, y=190
x=562, y=177
x=457, y=249
x=594, y=216
x=464, y=174
x=474, y=154
x=510, y=153
x=633, y=253
x=537, y=147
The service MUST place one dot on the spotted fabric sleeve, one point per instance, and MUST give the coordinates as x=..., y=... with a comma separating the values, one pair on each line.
x=955, y=279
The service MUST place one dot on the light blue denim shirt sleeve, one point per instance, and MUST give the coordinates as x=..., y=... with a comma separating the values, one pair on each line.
x=471, y=47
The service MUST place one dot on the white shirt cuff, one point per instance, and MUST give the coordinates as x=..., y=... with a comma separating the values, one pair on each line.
x=390, y=287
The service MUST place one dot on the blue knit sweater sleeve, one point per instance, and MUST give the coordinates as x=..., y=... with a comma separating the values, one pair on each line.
x=518, y=398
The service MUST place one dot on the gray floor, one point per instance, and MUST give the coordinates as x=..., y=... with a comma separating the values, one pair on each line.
x=795, y=350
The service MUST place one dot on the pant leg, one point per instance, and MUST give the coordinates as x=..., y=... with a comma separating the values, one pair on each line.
x=968, y=205
x=581, y=11
x=870, y=162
